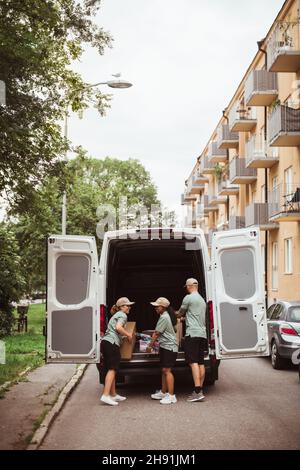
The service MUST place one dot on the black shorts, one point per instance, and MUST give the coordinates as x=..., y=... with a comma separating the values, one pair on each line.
x=111, y=355
x=194, y=349
x=167, y=358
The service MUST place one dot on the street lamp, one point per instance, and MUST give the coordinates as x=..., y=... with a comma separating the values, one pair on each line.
x=122, y=84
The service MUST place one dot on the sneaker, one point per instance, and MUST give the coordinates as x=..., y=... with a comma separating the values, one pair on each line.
x=108, y=400
x=158, y=395
x=196, y=396
x=168, y=399
x=118, y=398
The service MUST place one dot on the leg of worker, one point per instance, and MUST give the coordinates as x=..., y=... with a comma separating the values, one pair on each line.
x=196, y=374
x=163, y=383
x=109, y=379
x=169, y=380
x=202, y=374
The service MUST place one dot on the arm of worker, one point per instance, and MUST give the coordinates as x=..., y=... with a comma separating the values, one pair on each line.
x=121, y=330
x=154, y=338
x=183, y=309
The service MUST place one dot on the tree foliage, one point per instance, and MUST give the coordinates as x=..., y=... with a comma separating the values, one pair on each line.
x=91, y=183
x=39, y=40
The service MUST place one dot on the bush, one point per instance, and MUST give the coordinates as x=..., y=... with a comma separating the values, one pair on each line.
x=11, y=277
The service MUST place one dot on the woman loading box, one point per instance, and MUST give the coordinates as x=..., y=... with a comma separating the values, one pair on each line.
x=165, y=334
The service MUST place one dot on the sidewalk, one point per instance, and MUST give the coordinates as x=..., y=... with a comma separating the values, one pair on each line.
x=26, y=403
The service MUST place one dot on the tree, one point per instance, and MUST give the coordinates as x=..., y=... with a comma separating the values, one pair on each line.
x=91, y=183
x=39, y=40
x=11, y=277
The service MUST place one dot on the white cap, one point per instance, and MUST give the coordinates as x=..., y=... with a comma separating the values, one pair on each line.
x=123, y=301
x=161, y=301
x=191, y=282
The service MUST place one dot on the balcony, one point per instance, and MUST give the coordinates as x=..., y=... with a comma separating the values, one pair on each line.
x=216, y=155
x=195, y=187
x=208, y=207
x=239, y=173
x=198, y=178
x=236, y=222
x=283, y=49
x=284, y=127
x=200, y=211
x=225, y=188
x=258, y=214
x=259, y=154
x=285, y=203
x=227, y=139
x=187, y=198
x=216, y=199
x=261, y=88
x=242, y=119
x=206, y=166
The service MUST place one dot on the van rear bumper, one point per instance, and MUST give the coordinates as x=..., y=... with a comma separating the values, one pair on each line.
x=142, y=368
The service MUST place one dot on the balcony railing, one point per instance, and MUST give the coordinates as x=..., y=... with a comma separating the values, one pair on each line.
x=225, y=188
x=239, y=173
x=261, y=88
x=198, y=178
x=208, y=207
x=258, y=214
x=285, y=203
x=242, y=119
x=259, y=154
x=284, y=127
x=216, y=155
x=206, y=166
x=236, y=222
x=215, y=199
x=283, y=49
x=227, y=139
x=200, y=210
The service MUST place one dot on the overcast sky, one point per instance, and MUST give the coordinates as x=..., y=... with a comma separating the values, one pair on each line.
x=185, y=59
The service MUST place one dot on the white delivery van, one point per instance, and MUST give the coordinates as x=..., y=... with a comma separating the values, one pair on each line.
x=144, y=265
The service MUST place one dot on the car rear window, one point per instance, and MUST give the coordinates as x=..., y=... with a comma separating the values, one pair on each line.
x=294, y=314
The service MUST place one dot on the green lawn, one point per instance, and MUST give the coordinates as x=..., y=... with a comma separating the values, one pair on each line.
x=25, y=349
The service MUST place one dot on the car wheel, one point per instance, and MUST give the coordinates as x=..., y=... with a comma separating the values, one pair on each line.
x=276, y=359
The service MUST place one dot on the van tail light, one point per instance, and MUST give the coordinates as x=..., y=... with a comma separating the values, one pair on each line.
x=102, y=320
x=211, y=325
x=287, y=329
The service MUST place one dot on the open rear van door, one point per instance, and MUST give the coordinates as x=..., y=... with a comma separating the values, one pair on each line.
x=72, y=300
x=238, y=295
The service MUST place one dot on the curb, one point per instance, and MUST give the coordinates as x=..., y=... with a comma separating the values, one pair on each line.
x=44, y=427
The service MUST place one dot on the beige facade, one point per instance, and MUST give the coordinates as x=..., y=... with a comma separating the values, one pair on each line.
x=249, y=172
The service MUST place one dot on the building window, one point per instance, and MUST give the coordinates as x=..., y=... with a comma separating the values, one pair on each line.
x=275, y=265
x=288, y=181
x=288, y=256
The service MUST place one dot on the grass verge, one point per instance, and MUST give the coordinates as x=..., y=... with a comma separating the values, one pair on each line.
x=25, y=349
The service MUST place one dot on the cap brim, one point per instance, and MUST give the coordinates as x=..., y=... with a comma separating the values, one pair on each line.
x=130, y=303
x=154, y=304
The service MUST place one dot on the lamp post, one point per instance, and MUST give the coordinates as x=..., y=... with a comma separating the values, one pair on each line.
x=112, y=84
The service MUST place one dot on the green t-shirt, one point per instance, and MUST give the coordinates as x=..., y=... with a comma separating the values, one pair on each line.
x=111, y=334
x=167, y=338
x=195, y=307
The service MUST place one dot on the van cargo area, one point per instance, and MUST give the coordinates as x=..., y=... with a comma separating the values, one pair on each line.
x=144, y=270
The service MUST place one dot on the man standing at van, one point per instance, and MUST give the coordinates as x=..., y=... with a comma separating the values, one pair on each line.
x=193, y=308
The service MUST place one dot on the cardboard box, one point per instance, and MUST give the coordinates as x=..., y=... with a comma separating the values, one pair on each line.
x=179, y=332
x=127, y=348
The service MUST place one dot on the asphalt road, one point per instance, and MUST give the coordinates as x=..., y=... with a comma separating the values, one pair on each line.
x=250, y=407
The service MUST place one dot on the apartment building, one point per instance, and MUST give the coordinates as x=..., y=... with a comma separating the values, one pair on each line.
x=249, y=172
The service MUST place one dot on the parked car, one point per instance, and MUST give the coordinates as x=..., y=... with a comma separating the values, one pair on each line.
x=283, y=331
